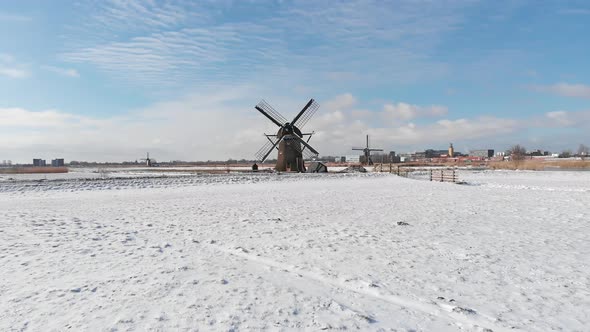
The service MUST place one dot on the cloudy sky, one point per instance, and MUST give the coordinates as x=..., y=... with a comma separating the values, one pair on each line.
x=109, y=80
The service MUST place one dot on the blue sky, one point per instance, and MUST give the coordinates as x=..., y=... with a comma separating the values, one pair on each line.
x=109, y=80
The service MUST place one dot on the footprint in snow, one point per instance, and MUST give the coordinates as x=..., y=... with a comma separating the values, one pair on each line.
x=466, y=311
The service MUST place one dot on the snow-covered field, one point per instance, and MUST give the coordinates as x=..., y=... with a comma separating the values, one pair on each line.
x=121, y=172
x=507, y=251
x=140, y=172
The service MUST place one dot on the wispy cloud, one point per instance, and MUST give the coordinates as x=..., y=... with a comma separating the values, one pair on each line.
x=575, y=11
x=11, y=69
x=405, y=111
x=13, y=72
x=137, y=16
x=177, y=56
x=565, y=89
x=303, y=41
x=68, y=72
x=9, y=17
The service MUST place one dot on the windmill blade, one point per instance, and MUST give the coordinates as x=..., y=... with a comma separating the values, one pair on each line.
x=308, y=139
x=266, y=149
x=268, y=137
x=306, y=113
x=262, y=151
x=302, y=111
x=267, y=110
x=307, y=153
x=305, y=144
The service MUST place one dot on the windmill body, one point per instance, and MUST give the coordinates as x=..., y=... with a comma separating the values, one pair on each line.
x=288, y=141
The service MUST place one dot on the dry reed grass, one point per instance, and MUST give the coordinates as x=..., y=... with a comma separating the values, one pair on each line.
x=33, y=170
x=539, y=165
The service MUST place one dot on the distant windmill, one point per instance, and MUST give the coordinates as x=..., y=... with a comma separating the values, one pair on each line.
x=289, y=138
x=148, y=161
x=367, y=152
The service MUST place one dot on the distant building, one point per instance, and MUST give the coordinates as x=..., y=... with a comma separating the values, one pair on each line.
x=538, y=153
x=451, y=151
x=58, y=162
x=353, y=158
x=489, y=153
x=430, y=153
x=39, y=162
x=393, y=158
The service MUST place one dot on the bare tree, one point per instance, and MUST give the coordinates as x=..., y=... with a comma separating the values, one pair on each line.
x=583, y=151
x=565, y=154
x=517, y=154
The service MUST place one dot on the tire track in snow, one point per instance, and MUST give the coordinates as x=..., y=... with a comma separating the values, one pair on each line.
x=440, y=310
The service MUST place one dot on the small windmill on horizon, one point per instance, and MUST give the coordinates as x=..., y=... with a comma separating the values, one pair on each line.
x=367, y=152
x=148, y=161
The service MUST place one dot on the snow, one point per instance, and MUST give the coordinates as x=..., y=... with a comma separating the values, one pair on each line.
x=507, y=251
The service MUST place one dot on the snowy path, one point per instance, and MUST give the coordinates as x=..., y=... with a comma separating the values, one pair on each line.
x=298, y=253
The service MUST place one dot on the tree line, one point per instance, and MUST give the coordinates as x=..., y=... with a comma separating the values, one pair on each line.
x=519, y=152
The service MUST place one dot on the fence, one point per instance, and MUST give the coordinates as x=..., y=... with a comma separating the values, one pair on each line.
x=443, y=175
x=390, y=168
x=440, y=175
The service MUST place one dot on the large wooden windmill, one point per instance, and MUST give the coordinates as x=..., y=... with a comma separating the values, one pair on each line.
x=289, y=139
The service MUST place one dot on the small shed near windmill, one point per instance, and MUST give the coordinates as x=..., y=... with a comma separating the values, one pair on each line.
x=317, y=167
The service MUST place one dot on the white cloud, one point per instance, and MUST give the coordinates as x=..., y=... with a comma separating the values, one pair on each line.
x=6, y=57
x=562, y=118
x=13, y=72
x=566, y=89
x=341, y=102
x=68, y=72
x=405, y=112
x=217, y=124
x=559, y=117
x=10, y=68
x=18, y=117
